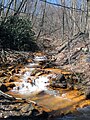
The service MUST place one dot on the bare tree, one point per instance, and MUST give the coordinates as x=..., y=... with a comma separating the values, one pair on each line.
x=63, y=18
x=20, y=7
x=7, y=12
x=2, y=8
x=88, y=23
x=58, y=22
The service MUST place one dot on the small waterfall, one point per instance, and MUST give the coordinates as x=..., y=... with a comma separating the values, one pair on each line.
x=31, y=84
x=28, y=85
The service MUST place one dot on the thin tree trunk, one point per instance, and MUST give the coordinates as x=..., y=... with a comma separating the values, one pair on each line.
x=15, y=5
x=83, y=17
x=74, y=17
x=88, y=23
x=63, y=18
x=8, y=10
x=2, y=8
x=20, y=7
x=42, y=21
x=35, y=6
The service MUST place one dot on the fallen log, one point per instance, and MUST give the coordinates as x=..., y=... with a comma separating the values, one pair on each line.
x=72, y=57
x=65, y=45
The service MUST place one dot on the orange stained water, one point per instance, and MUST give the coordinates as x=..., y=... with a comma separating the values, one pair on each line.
x=66, y=103
x=68, y=100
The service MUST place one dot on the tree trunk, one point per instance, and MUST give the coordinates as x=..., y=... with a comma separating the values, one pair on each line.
x=2, y=9
x=63, y=19
x=73, y=17
x=88, y=23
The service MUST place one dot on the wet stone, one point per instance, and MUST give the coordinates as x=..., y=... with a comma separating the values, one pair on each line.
x=26, y=108
x=3, y=88
x=0, y=115
x=59, y=85
x=6, y=86
x=60, y=77
x=15, y=113
x=59, y=81
x=88, y=59
x=35, y=112
x=87, y=93
x=40, y=59
x=53, y=92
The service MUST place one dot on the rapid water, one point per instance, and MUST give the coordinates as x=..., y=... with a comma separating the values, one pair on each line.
x=30, y=84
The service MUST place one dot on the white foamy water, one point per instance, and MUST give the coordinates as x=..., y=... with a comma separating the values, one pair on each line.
x=32, y=84
x=40, y=58
x=36, y=85
x=33, y=65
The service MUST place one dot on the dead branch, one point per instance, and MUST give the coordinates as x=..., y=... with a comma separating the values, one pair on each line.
x=73, y=57
x=65, y=45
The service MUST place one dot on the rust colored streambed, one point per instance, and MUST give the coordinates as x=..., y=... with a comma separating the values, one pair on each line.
x=66, y=102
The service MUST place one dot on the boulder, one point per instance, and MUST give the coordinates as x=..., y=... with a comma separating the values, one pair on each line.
x=7, y=86
x=27, y=108
x=59, y=81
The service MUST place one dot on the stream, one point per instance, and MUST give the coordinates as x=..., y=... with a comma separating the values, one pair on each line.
x=82, y=114
x=29, y=84
x=34, y=83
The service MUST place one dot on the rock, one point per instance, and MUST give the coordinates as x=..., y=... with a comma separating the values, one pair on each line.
x=77, y=87
x=15, y=79
x=43, y=115
x=59, y=85
x=6, y=86
x=27, y=108
x=88, y=59
x=29, y=60
x=33, y=73
x=88, y=84
x=4, y=79
x=0, y=84
x=2, y=73
x=15, y=114
x=3, y=88
x=33, y=65
x=83, y=105
x=85, y=49
x=70, y=86
x=40, y=59
x=60, y=77
x=52, y=92
x=87, y=93
x=59, y=81
x=0, y=115
x=35, y=112
x=71, y=82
